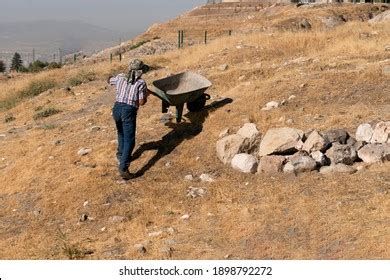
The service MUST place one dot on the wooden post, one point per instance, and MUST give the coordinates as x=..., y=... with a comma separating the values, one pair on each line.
x=179, y=39
x=182, y=38
x=120, y=56
x=205, y=37
x=110, y=57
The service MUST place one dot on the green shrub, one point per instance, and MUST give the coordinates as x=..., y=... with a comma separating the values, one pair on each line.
x=45, y=113
x=54, y=65
x=36, y=88
x=80, y=78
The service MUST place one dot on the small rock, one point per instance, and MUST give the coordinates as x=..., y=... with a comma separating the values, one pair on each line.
x=168, y=164
x=195, y=192
x=228, y=256
x=140, y=249
x=185, y=217
x=155, y=234
x=292, y=97
x=320, y=158
x=103, y=229
x=84, y=151
x=288, y=168
x=83, y=218
x=223, y=67
x=271, y=105
x=94, y=129
x=289, y=121
x=206, y=178
x=118, y=219
x=245, y=163
x=85, y=204
x=51, y=157
x=189, y=177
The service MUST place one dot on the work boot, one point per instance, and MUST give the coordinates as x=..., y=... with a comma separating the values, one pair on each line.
x=126, y=175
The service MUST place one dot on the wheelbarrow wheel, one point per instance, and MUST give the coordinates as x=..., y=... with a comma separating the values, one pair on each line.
x=198, y=104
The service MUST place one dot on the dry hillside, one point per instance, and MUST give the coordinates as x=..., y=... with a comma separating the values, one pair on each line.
x=55, y=204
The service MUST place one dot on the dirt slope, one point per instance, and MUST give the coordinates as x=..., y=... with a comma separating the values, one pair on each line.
x=338, y=76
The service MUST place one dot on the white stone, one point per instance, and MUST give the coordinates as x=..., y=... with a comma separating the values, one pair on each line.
x=206, y=178
x=252, y=137
x=339, y=168
x=364, y=133
x=319, y=157
x=224, y=133
x=245, y=163
x=381, y=133
x=185, y=217
x=280, y=140
x=271, y=105
x=155, y=234
x=84, y=151
x=375, y=153
x=189, y=177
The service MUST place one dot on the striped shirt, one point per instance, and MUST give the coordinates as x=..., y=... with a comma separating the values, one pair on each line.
x=128, y=93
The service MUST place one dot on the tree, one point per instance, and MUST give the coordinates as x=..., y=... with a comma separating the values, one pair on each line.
x=37, y=66
x=17, y=62
x=2, y=66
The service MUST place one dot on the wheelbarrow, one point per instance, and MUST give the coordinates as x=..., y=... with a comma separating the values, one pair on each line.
x=177, y=90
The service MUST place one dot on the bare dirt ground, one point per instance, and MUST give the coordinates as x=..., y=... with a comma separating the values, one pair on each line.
x=338, y=75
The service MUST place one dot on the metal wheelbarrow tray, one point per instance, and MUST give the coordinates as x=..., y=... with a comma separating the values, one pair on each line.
x=176, y=90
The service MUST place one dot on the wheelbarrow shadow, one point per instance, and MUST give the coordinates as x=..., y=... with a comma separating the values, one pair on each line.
x=179, y=133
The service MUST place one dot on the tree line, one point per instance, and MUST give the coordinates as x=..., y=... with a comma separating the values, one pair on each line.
x=34, y=67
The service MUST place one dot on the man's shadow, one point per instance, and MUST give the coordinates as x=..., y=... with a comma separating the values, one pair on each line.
x=179, y=133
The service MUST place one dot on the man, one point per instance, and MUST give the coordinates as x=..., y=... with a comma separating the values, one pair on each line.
x=131, y=92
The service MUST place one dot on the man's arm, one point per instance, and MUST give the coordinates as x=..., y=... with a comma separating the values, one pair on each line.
x=112, y=80
x=143, y=97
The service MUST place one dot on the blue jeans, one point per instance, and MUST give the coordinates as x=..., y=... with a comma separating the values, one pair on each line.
x=125, y=117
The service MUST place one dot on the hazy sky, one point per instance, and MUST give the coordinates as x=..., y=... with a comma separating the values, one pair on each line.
x=122, y=15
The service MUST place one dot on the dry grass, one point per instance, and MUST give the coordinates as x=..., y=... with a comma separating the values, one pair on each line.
x=338, y=80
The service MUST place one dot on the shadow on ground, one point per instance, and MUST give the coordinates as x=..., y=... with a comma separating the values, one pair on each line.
x=179, y=133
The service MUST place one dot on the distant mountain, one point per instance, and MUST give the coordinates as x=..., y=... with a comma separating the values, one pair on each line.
x=47, y=36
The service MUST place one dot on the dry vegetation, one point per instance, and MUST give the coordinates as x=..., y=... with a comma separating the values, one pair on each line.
x=337, y=76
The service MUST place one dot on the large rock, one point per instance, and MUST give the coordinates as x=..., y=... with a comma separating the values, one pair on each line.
x=252, y=137
x=364, y=133
x=336, y=136
x=338, y=168
x=342, y=154
x=381, y=133
x=299, y=163
x=244, y=163
x=374, y=153
x=228, y=147
x=280, y=141
x=315, y=142
x=271, y=164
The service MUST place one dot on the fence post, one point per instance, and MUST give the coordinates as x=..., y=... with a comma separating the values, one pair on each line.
x=182, y=38
x=179, y=39
x=120, y=56
x=110, y=57
x=205, y=37
x=74, y=58
x=230, y=33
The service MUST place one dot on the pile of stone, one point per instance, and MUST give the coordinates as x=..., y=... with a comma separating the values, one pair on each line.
x=290, y=150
